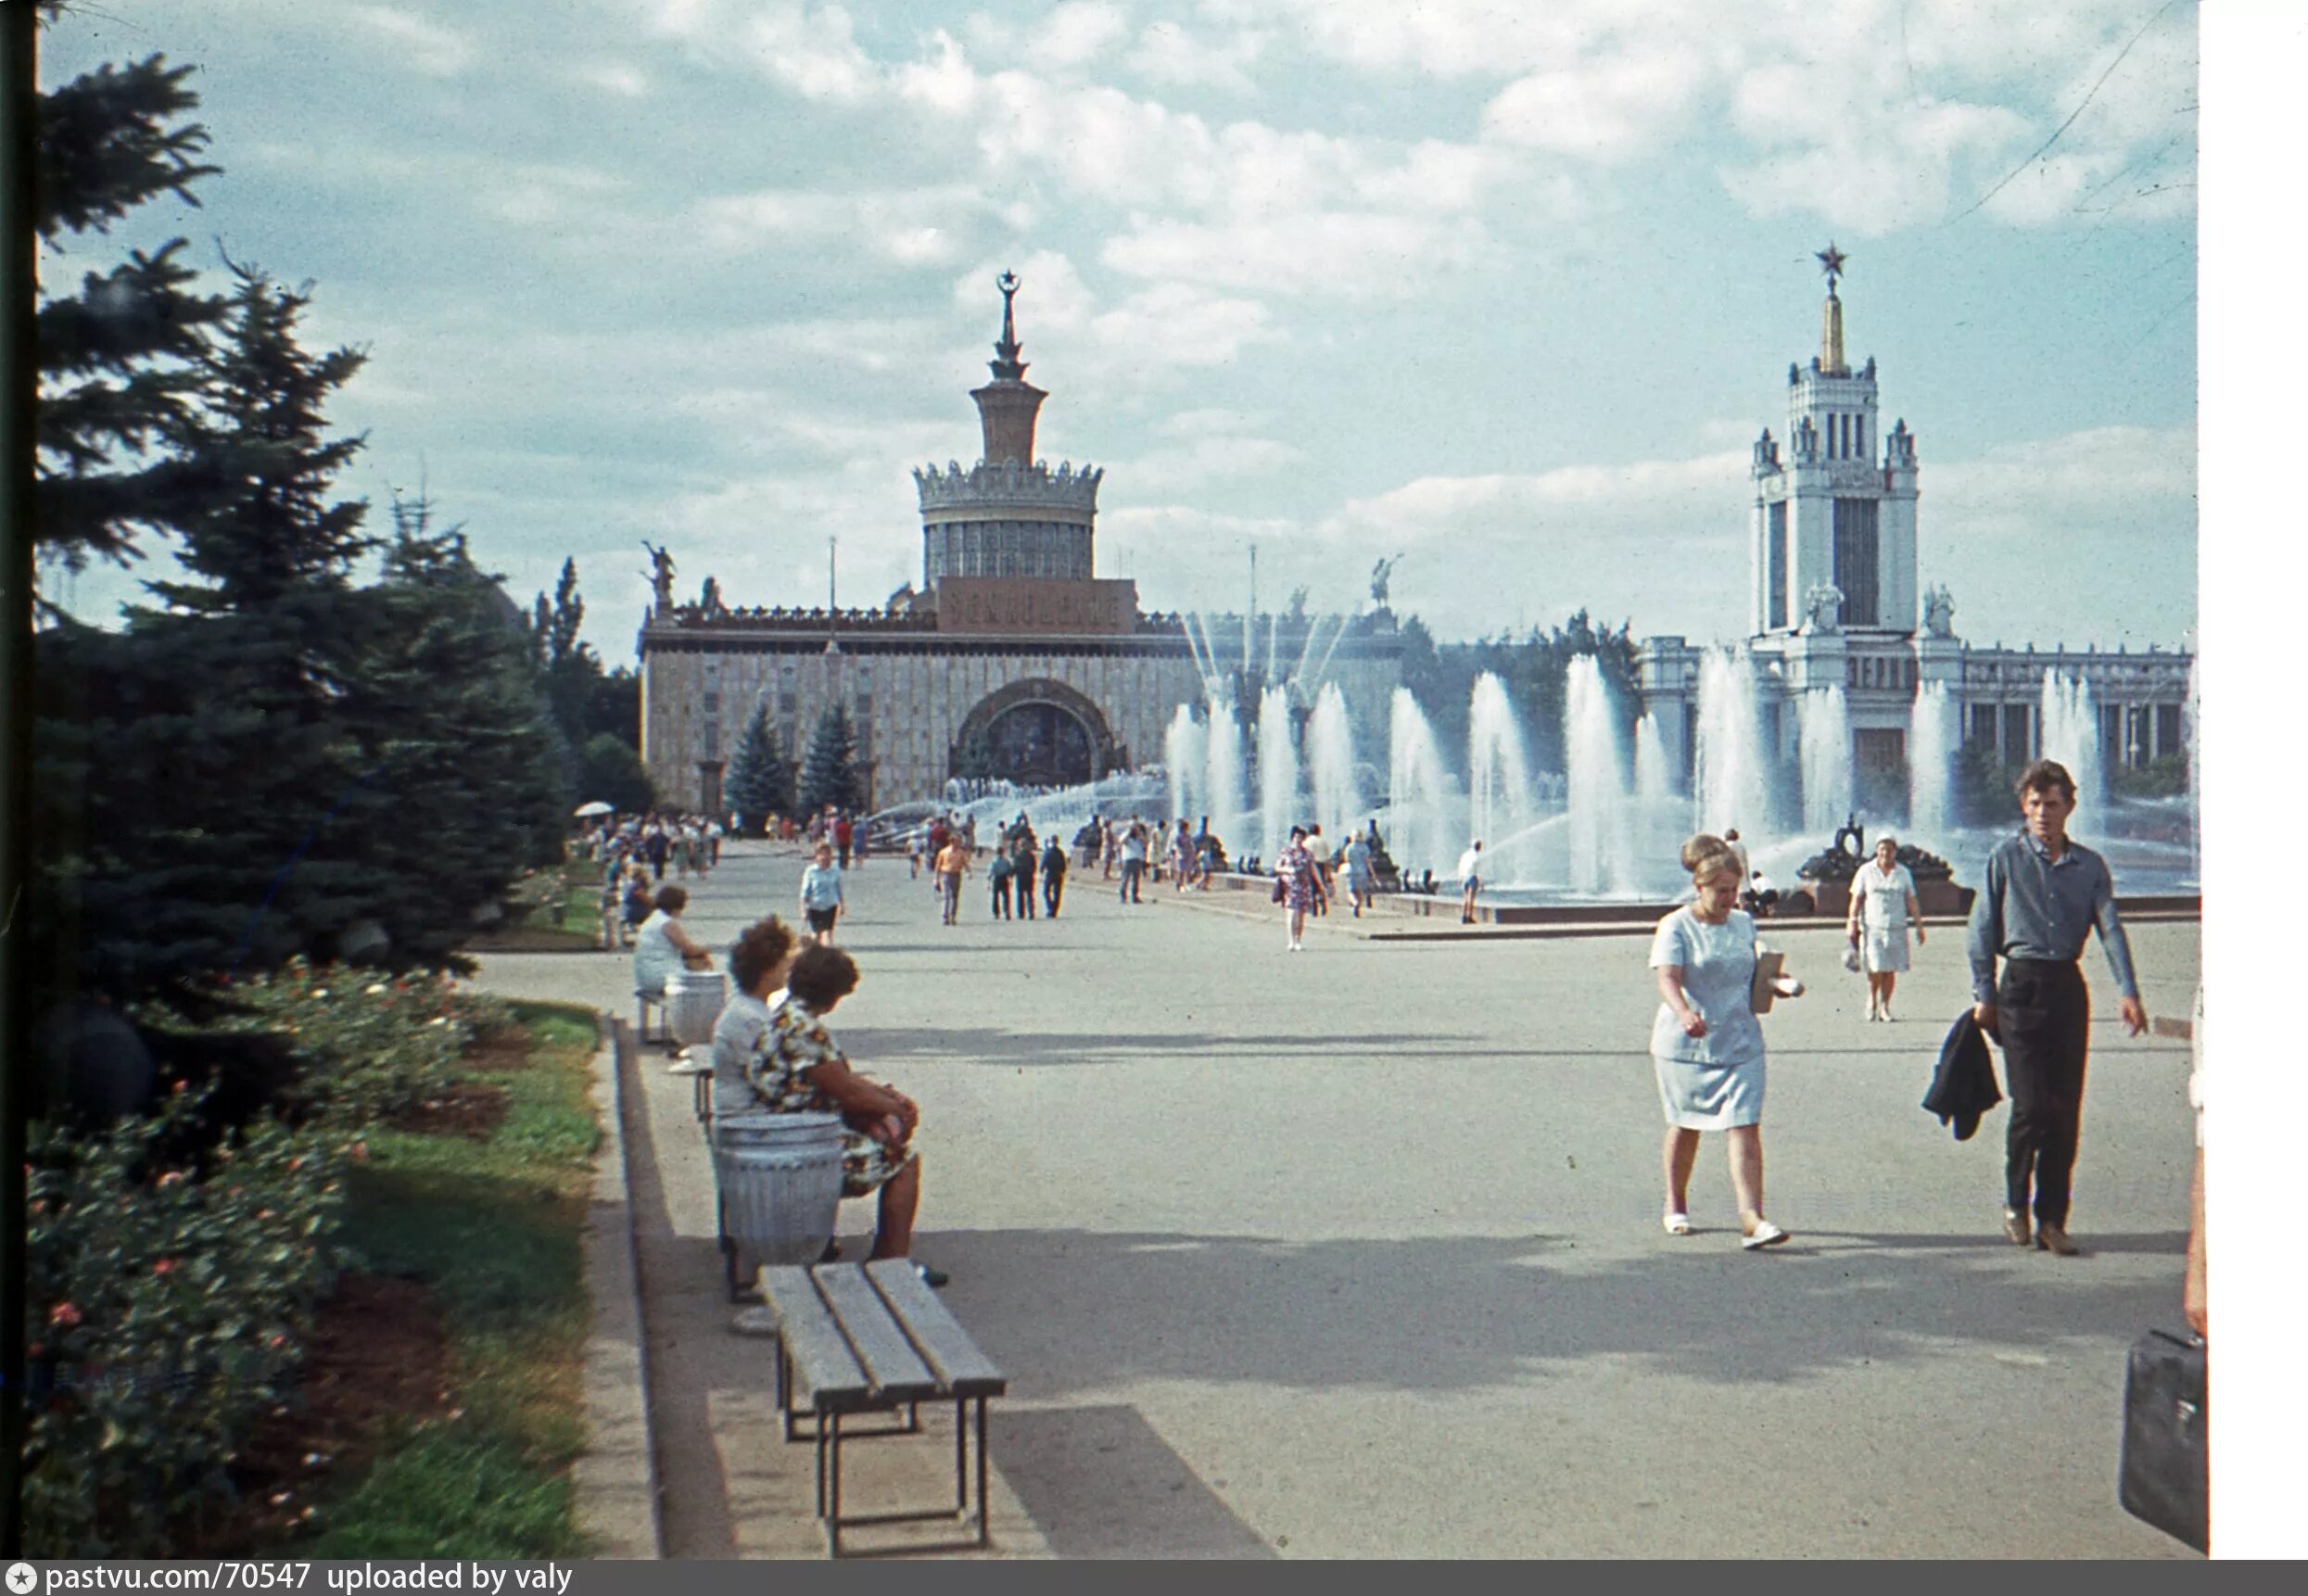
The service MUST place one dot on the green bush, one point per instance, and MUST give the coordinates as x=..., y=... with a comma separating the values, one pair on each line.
x=378, y=1046
x=167, y=1306
x=170, y=1289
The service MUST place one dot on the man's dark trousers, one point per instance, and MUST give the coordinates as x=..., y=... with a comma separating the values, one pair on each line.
x=1053, y=889
x=2043, y=1015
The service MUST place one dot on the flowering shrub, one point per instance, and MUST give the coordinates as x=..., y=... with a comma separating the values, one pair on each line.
x=166, y=1311
x=379, y=1045
x=172, y=1276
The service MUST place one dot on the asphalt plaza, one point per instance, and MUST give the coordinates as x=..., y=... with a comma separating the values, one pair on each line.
x=1356, y=1251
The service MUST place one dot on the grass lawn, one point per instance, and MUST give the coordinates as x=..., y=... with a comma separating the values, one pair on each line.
x=489, y=1216
x=557, y=909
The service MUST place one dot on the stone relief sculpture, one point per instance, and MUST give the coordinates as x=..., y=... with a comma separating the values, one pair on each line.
x=1939, y=611
x=1822, y=606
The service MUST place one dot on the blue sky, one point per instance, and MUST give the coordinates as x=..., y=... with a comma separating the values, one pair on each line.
x=1507, y=295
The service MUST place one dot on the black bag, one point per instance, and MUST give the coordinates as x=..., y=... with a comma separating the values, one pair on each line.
x=1281, y=889
x=2165, y=1475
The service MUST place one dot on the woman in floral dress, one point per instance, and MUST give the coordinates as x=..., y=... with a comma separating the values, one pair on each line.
x=797, y=1068
x=1297, y=884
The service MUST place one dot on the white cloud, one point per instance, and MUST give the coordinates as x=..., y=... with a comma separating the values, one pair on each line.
x=921, y=226
x=1079, y=32
x=1606, y=109
x=1168, y=53
x=421, y=44
x=1356, y=254
x=615, y=76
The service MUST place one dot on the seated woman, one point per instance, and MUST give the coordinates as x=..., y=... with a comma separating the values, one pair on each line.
x=759, y=962
x=662, y=946
x=797, y=1069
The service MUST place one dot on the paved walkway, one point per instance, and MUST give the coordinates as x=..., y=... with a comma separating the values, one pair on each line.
x=1355, y=1252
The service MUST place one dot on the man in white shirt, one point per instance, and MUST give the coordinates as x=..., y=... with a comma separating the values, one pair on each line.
x=1470, y=880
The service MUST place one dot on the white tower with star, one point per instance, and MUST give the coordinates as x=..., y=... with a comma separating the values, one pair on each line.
x=1832, y=545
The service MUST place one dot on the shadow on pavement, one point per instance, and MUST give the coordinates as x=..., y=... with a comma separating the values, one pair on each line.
x=1098, y=1482
x=1072, y=1310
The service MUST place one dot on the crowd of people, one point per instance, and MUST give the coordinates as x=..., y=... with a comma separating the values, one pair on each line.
x=2041, y=896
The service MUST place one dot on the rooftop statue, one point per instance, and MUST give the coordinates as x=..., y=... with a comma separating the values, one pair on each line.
x=1822, y=608
x=1939, y=610
x=1381, y=574
x=660, y=561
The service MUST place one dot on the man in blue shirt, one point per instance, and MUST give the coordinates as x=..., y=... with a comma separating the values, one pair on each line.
x=2042, y=897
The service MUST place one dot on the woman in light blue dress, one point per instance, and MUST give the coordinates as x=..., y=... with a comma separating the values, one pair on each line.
x=1705, y=1041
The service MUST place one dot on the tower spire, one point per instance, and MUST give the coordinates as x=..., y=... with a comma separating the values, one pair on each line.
x=1007, y=405
x=1832, y=361
x=1008, y=367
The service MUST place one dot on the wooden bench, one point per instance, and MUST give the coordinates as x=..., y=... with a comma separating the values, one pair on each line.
x=870, y=1338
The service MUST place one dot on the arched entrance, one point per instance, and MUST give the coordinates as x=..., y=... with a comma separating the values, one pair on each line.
x=1037, y=733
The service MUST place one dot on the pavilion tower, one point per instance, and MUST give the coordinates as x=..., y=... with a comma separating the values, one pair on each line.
x=1837, y=510
x=1008, y=516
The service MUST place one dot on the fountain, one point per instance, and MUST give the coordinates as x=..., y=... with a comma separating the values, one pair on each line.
x=1931, y=754
x=2070, y=735
x=1498, y=780
x=1330, y=765
x=1826, y=731
x=1599, y=831
x=1422, y=810
x=1223, y=790
x=1727, y=783
x=1277, y=771
x=1185, y=755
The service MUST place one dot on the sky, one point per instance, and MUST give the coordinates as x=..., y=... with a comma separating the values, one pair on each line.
x=1505, y=290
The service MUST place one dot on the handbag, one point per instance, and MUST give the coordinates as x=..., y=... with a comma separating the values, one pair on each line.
x=1851, y=957
x=1281, y=891
x=2166, y=1477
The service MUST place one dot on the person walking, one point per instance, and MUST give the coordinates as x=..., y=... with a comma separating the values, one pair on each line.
x=1109, y=850
x=844, y=834
x=1707, y=1046
x=1883, y=907
x=1133, y=862
x=1053, y=876
x=1470, y=880
x=1022, y=863
x=998, y=873
x=613, y=877
x=823, y=899
x=1297, y=883
x=2041, y=895
x=953, y=864
x=1180, y=857
x=1361, y=880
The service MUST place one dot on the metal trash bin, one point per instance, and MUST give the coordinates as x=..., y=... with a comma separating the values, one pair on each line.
x=779, y=1187
x=693, y=1004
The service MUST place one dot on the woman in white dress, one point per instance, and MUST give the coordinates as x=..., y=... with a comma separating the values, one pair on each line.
x=1883, y=907
x=1706, y=1043
x=759, y=963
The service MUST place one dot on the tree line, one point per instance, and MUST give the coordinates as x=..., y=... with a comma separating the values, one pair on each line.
x=315, y=735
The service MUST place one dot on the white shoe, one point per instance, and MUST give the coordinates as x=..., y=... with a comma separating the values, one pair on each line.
x=1676, y=1223
x=1766, y=1234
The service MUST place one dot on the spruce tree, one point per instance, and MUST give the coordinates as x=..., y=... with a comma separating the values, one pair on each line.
x=463, y=780
x=217, y=794
x=760, y=782
x=830, y=770
x=119, y=356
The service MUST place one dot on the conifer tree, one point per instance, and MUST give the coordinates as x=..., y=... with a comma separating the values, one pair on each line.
x=830, y=770
x=118, y=356
x=760, y=782
x=462, y=778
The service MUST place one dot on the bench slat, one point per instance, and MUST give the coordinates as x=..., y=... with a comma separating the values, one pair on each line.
x=890, y=1360
x=823, y=1364
x=944, y=1346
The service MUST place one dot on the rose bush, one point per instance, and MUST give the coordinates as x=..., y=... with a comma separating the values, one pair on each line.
x=167, y=1315
x=172, y=1276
